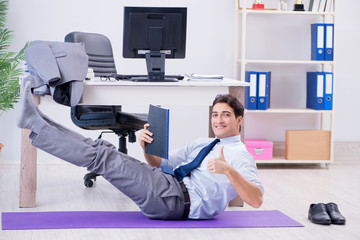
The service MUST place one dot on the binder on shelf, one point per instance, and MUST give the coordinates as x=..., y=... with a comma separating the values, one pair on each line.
x=251, y=91
x=158, y=119
x=329, y=42
x=311, y=4
x=328, y=5
x=317, y=41
x=264, y=81
x=314, y=6
x=328, y=90
x=322, y=5
x=315, y=90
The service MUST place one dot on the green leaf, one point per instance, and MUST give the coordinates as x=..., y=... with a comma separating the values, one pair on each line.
x=3, y=11
x=10, y=64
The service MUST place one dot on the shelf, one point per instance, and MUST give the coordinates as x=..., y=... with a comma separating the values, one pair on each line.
x=262, y=61
x=246, y=21
x=284, y=161
x=250, y=11
x=288, y=110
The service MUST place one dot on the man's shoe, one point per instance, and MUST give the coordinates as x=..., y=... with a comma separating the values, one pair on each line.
x=318, y=214
x=335, y=215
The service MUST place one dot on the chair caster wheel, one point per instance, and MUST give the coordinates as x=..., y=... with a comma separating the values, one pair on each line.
x=89, y=179
x=88, y=183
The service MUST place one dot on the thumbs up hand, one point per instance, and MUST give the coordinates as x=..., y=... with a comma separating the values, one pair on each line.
x=219, y=164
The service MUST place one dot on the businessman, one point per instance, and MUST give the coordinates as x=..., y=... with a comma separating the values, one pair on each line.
x=160, y=188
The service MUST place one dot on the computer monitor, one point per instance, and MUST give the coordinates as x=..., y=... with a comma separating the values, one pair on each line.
x=155, y=33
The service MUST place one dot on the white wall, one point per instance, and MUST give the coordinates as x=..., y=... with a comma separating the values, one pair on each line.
x=210, y=50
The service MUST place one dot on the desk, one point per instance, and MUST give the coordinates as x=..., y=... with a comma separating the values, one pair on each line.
x=127, y=93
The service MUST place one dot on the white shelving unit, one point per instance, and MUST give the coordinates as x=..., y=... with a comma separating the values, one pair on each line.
x=242, y=63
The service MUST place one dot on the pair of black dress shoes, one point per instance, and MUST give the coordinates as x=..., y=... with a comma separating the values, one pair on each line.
x=325, y=214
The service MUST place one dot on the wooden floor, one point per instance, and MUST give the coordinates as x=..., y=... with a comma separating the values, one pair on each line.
x=290, y=189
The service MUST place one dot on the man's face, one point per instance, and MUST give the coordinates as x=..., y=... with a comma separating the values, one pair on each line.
x=223, y=121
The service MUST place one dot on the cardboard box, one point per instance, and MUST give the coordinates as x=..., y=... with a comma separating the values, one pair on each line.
x=307, y=145
x=260, y=149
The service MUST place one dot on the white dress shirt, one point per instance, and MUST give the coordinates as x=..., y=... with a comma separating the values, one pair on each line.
x=210, y=193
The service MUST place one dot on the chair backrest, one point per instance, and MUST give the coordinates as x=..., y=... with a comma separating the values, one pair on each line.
x=98, y=48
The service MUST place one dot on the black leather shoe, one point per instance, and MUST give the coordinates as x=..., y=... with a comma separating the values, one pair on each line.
x=335, y=215
x=318, y=214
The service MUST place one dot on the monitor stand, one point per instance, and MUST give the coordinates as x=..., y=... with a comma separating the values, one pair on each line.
x=155, y=64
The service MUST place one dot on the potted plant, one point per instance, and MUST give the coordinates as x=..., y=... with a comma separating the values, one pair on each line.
x=10, y=65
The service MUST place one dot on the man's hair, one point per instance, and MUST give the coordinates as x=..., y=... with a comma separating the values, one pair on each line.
x=232, y=101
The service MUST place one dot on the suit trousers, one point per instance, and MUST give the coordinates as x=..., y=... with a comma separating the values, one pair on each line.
x=158, y=195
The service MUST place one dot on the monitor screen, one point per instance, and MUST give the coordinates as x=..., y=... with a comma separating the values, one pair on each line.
x=154, y=33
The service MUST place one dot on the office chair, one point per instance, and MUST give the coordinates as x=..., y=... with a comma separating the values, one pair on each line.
x=103, y=117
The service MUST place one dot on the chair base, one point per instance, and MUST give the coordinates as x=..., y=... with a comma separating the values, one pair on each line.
x=90, y=178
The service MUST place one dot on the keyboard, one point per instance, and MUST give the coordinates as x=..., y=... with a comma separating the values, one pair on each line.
x=143, y=78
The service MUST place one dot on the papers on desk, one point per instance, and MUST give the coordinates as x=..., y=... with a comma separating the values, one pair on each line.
x=205, y=78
